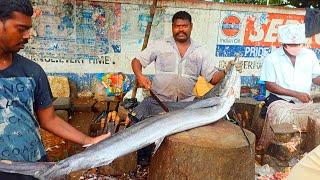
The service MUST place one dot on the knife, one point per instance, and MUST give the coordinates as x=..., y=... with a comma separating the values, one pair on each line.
x=163, y=106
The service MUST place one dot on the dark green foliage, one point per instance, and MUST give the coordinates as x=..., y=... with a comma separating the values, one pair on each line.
x=295, y=3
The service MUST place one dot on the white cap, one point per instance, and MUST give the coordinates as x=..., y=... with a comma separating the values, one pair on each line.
x=292, y=34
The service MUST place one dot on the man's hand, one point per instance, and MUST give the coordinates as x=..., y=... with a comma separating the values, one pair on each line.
x=303, y=97
x=144, y=82
x=93, y=140
x=233, y=63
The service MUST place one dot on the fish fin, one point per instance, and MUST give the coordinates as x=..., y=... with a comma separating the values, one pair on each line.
x=158, y=143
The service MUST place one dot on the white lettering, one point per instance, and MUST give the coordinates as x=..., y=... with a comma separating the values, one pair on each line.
x=236, y=41
x=256, y=51
x=258, y=36
x=272, y=30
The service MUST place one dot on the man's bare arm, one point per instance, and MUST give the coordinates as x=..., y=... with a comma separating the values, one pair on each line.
x=136, y=67
x=53, y=123
x=143, y=81
x=217, y=77
x=275, y=88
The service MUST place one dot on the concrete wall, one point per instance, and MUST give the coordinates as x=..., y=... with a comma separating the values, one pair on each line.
x=81, y=38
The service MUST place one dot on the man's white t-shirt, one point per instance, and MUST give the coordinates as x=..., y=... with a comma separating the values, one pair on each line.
x=278, y=68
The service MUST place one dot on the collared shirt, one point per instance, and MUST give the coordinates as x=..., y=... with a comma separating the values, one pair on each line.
x=175, y=76
x=278, y=68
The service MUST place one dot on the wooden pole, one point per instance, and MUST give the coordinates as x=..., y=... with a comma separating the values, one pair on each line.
x=146, y=40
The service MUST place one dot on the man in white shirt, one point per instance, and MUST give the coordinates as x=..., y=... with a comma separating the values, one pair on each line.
x=289, y=73
x=290, y=70
x=179, y=61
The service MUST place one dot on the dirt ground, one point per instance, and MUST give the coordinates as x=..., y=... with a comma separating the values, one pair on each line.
x=58, y=148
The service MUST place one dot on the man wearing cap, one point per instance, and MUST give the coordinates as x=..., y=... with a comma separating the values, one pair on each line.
x=289, y=73
x=291, y=69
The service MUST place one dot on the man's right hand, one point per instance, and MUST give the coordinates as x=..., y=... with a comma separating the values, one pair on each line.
x=303, y=97
x=144, y=82
x=233, y=63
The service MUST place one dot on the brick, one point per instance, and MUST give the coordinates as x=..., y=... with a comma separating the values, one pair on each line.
x=61, y=103
x=63, y=114
x=83, y=104
x=59, y=86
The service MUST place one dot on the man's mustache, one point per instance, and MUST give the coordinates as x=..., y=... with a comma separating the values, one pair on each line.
x=181, y=33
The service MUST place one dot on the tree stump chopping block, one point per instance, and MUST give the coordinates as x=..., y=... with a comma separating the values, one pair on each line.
x=216, y=151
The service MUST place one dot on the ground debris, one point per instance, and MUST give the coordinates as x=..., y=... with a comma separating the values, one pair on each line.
x=93, y=174
x=266, y=172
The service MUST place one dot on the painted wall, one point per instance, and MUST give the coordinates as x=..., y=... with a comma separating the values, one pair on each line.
x=80, y=38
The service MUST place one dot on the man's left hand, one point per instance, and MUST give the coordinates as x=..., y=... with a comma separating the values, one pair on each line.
x=233, y=63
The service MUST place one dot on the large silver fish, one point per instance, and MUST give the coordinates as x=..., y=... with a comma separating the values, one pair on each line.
x=151, y=130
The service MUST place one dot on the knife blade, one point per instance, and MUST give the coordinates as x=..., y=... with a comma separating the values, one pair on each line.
x=163, y=106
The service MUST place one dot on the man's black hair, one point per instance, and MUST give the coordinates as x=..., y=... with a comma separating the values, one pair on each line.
x=181, y=15
x=7, y=7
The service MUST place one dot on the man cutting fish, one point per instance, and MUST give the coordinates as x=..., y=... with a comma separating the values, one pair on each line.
x=290, y=70
x=179, y=61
